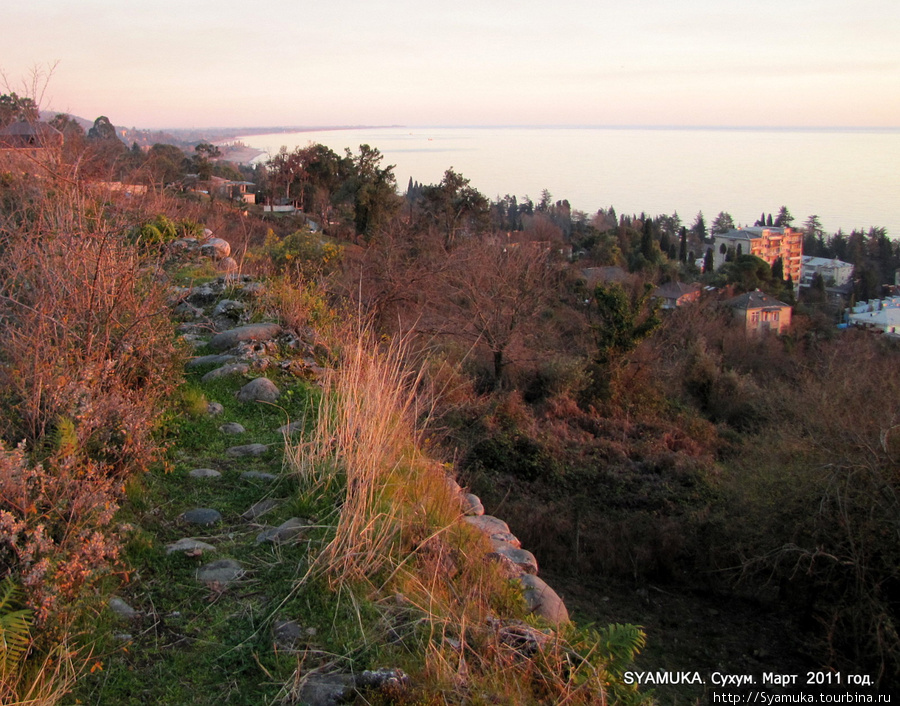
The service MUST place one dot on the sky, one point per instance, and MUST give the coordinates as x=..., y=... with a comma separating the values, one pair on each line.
x=466, y=62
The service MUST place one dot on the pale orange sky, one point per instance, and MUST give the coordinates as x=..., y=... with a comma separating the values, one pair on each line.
x=644, y=62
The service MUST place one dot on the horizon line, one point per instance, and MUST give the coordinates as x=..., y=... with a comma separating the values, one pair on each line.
x=523, y=126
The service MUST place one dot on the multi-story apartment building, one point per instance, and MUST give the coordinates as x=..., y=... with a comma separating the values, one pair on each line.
x=766, y=243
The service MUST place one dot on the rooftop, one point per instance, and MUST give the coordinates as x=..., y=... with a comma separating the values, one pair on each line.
x=756, y=300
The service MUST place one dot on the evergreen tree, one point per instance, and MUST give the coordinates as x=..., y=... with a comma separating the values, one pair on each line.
x=699, y=226
x=784, y=218
x=722, y=223
x=778, y=269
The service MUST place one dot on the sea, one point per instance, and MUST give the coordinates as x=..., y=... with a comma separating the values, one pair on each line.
x=848, y=177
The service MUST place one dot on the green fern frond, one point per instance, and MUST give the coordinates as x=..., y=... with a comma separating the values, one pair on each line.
x=15, y=624
x=621, y=644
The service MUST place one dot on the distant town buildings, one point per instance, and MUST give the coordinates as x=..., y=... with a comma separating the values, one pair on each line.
x=878, y=314
x=760, y=312
x=834, y=273
x=766, y=243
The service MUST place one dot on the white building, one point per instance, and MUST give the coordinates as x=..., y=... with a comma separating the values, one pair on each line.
x=880, y=314
x=834, y=273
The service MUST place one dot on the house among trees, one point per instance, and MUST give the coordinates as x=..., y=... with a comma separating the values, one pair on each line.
x=675, y=294
x=767, y=243
x=834, y=272
x=760, y=312
x=30, y=141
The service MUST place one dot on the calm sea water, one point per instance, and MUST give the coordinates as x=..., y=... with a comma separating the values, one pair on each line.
x=849, y=178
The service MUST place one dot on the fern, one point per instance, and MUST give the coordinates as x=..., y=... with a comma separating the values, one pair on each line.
x=620, y=644
x=14, y=627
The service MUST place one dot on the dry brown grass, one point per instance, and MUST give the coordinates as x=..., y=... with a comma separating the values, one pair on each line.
x=397, y=542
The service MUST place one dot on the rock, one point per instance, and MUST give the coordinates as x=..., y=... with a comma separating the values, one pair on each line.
x=204, y=294
x=288, y=634
x=216, y=248
x=382, y=679
x=324, y=690
x=122, y=609
x=507, y=537
x=204, y=473
x=214, y=359
x=202, y=516
x=193, y=340
x=229, y=308
x=522, y=558
x=258, y=475
x=261, y=508
x=542, y=600
x=285, y=532
x=186, y=311
x=226, y=370
x=254, y=289
x=289, y=429
x=191, y=547
x=232, y=428
x=228, y=264
x=453, y=485
x=259, y=390
x=214, y=409
x=247, y=450
x=250, y=332
x=471, y=505
x=221, y=572
x=487, y=524
x=523, y=638
x=507, y=568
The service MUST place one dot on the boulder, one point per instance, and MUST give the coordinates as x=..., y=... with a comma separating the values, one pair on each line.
x=250, y=332
x=216, y=248
x=259, y=390
x=522, y=558
x=471, y=504
x=228, y=264
x=542, y=600
x=487, y=523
